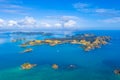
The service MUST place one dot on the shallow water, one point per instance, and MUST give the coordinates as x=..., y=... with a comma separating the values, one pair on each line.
x=97, y=64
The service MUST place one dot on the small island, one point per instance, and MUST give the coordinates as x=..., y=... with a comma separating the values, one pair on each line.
x=117, y=71
x=55, y=66
x=27, y=50
x=27, y=66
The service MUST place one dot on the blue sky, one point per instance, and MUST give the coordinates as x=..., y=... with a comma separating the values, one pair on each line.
x=60, y=14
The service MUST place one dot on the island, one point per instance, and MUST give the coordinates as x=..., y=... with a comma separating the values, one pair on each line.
x=32, y=33
x=117, y=71
x=86, y=41
x=27, y=50
x=55, y=66
x=27, y=66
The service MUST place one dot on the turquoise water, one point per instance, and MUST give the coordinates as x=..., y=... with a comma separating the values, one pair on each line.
x=97, y=64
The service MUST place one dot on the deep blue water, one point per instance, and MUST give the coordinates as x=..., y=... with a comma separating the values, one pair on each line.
x=97, y=64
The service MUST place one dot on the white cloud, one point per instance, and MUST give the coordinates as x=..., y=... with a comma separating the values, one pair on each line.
x=62, y=22
x=91, y=9
x=80, y=5
x=107, y=12
x=14, y=8
x=70, y=23
x=12, y=23
x=44, y=24
x=112, y=20
x=1, y=22
x=58, y=25
x=9, y=11
x=66, y=18
x=101, y=10
x=13, y=11
x=27, y=21
x=58, y=22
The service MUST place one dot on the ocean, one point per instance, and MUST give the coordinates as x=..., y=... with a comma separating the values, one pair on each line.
x=98, y=64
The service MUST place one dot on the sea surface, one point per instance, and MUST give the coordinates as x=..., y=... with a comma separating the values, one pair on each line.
x=98, y=64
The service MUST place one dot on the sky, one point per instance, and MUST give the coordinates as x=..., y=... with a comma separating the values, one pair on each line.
x=60, y=14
